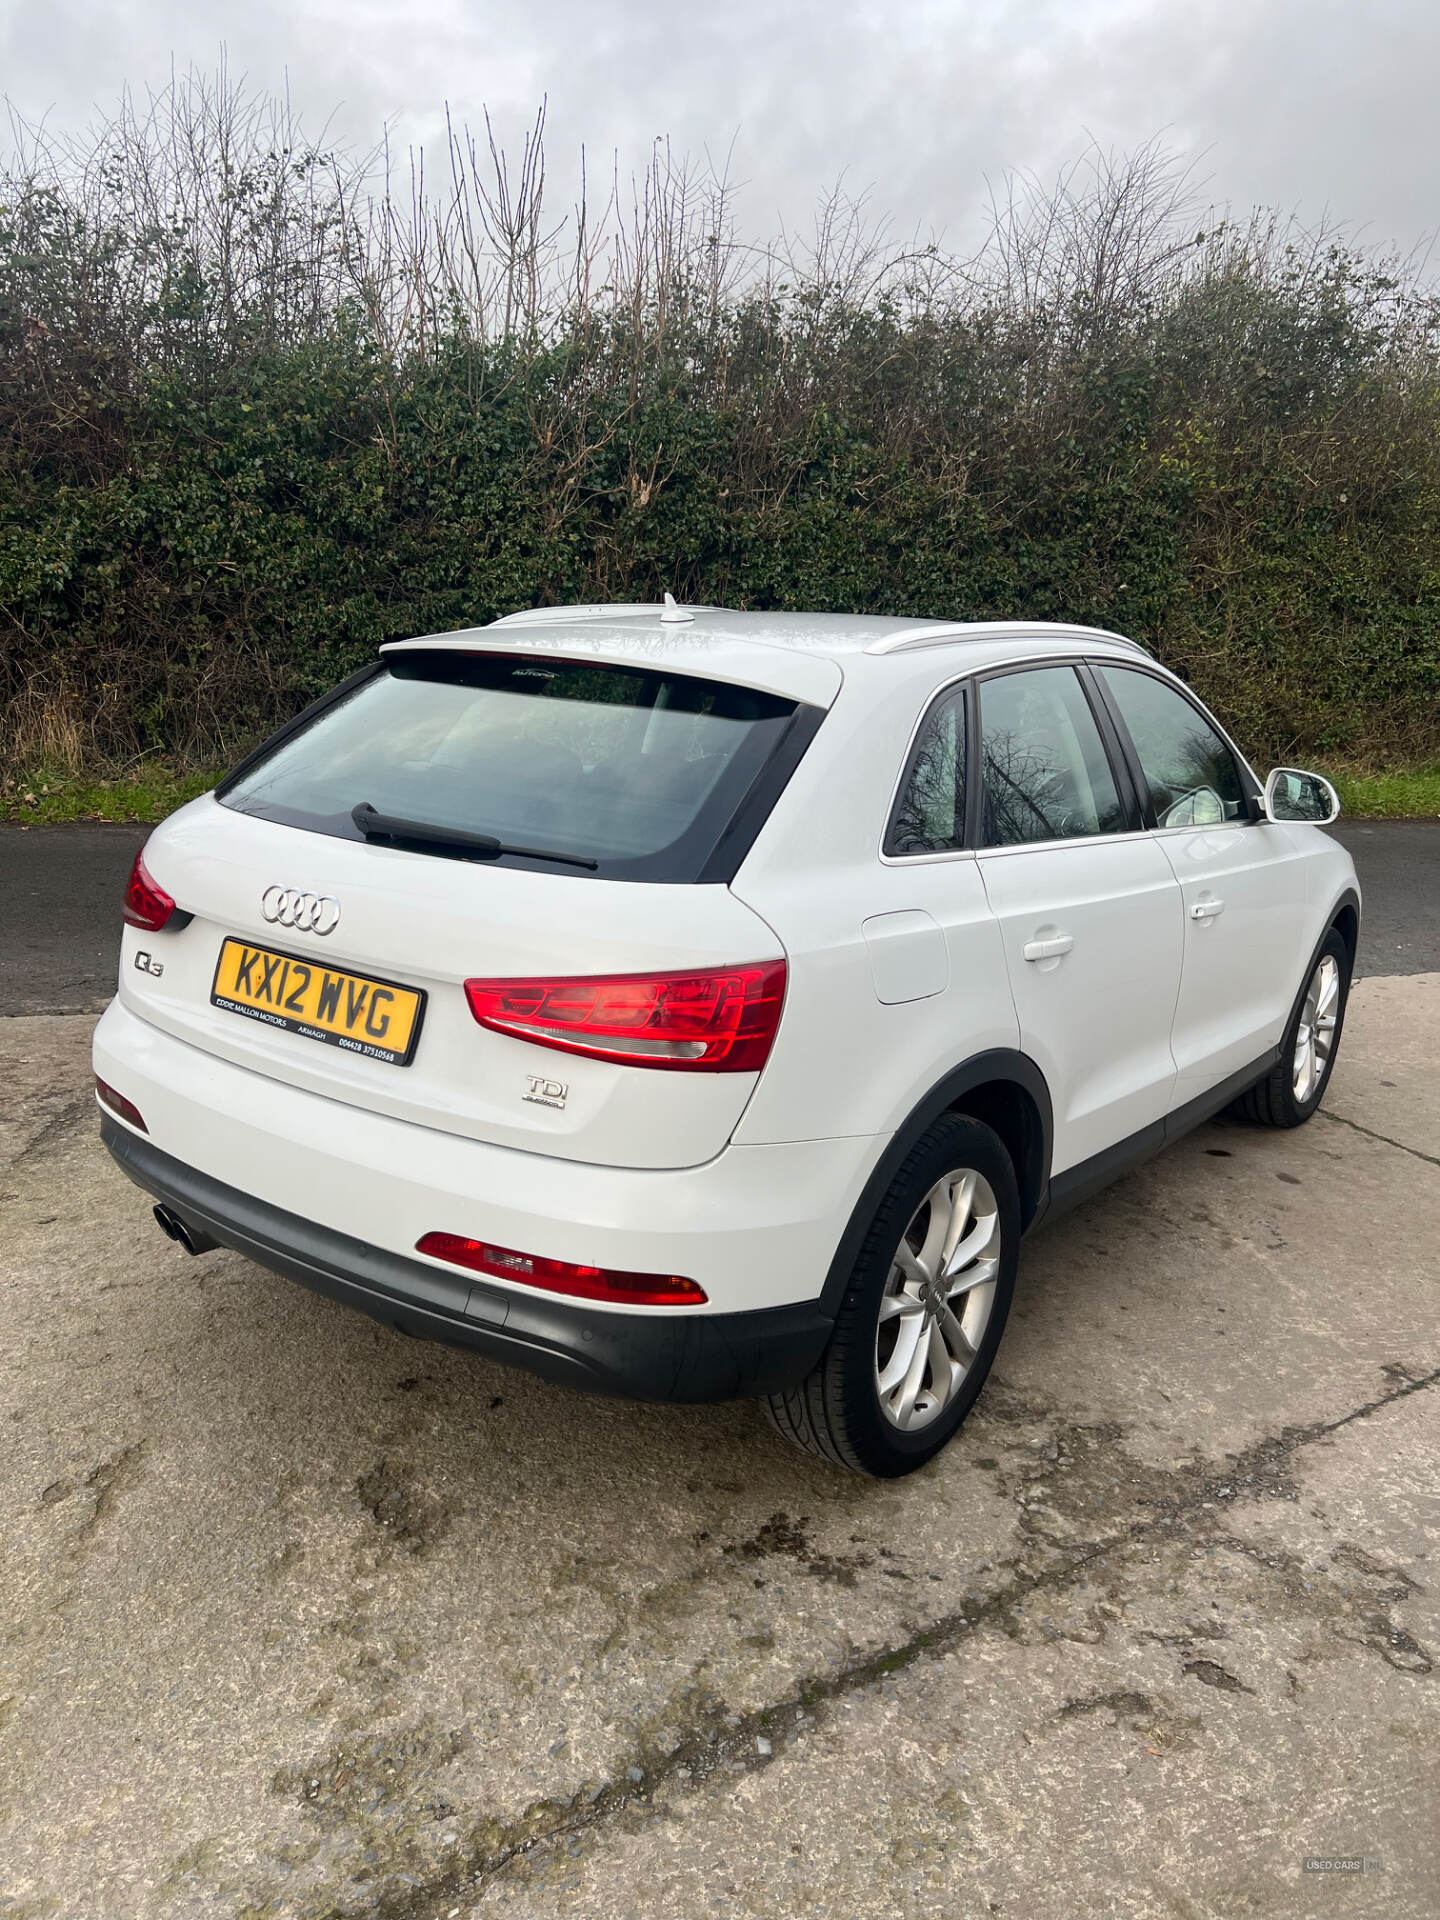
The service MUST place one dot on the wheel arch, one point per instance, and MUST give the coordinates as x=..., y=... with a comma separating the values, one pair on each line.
x=1003, y=1089
x=1345, y=920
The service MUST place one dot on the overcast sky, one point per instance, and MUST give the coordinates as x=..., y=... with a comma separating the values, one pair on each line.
x=1304, y=105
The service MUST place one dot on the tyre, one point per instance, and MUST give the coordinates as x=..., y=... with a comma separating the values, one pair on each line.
x=923, y=1311
x=1293, y=1089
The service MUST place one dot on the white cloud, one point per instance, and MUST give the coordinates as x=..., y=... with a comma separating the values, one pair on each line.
x=1304, y=104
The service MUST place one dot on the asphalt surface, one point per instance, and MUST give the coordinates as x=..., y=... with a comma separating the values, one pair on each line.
x=60, y=891
x=300, y=1620
x=60, y=915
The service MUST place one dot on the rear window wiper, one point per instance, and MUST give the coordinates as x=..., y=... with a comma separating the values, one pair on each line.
x=387, y=826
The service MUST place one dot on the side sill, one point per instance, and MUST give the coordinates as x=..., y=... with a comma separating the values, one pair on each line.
x=1078, y=1183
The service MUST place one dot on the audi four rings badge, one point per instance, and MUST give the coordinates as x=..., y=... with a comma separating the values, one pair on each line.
x=306, y=912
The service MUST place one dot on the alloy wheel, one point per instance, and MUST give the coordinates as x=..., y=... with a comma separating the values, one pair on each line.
x=1315, y=1035
x=937, y=1299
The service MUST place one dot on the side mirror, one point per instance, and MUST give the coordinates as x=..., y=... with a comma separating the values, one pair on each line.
x=1299, y=798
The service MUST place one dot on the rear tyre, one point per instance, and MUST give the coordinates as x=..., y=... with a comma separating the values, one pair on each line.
x=923, y=1311
x=1294, y=1088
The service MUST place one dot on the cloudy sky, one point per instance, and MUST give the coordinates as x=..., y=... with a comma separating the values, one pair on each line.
x=1306, y=105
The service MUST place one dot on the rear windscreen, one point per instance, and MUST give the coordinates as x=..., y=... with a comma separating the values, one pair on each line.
x=640, y=772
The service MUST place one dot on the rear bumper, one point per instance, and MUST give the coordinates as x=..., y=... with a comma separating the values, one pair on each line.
x=680, y=1356
x=756, y=1227
x=336, y=1196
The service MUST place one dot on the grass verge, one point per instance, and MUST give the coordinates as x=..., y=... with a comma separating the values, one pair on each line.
x=152, y=789
x=146, y=792
x=1391, y=796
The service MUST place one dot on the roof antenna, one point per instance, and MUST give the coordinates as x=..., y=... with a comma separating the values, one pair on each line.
x=674, y=614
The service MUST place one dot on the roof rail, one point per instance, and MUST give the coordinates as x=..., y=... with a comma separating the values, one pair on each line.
x=598, y=610
x=910, y=639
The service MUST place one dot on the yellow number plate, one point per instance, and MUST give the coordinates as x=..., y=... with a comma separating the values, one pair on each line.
x=376, y=1018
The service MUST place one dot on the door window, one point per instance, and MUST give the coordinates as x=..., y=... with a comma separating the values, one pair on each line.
x=1190, y=772
x=1047, y=776
x=929, y=815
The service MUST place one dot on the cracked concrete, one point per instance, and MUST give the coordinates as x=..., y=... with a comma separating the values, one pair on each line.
x=303, y=1620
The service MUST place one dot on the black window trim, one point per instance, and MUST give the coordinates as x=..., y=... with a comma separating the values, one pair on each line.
x=721, y=864
x=1125, y=767
x=1250, y=787
x=963, y=684
x=1132, y=795
x=758, y=802
x=298, y=723
x=1121, y=772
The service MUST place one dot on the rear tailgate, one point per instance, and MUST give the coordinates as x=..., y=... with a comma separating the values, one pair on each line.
x=417, y=923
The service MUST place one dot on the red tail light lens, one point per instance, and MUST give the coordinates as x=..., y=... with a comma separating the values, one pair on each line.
x=117, y=1103
x=560, y=1276
x=146, y=905
x=719, y=1021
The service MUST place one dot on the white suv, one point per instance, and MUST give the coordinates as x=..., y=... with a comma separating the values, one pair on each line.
x=693, y=1004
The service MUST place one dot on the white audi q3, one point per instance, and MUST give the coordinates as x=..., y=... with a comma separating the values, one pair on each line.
x=692, y=1004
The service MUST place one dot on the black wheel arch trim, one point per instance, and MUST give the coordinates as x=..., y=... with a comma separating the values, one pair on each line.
x=1348, y=899
x=998, y=1065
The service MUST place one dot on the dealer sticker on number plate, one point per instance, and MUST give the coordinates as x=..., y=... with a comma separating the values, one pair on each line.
x=376, y=1018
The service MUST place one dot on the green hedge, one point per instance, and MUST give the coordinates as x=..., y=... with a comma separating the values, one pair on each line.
x=1245, y=476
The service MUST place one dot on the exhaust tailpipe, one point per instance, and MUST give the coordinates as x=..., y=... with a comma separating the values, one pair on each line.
x=182, y=1233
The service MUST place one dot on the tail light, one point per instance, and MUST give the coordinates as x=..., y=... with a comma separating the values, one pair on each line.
x=561, y=1276
x=146, y=905
x=118, y=1104
x=719, y=1021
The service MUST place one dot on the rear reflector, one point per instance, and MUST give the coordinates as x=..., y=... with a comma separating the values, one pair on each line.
x=719, y=1021
x=146, y=905
x=560, y=1276
x=118, y=1104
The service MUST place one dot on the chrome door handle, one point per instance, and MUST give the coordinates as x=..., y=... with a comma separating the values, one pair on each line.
x=1048, y=949
x=1207, y=909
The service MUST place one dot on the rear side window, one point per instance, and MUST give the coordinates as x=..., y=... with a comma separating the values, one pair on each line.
x=929, y=814
x=640, y=772
x=1189, y=770
x=1047, y=775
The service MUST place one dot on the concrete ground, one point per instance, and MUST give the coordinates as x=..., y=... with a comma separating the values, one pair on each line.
x=298, y=1618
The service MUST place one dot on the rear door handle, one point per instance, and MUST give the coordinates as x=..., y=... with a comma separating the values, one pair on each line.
x=1050, y=949
x=1207, y=909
